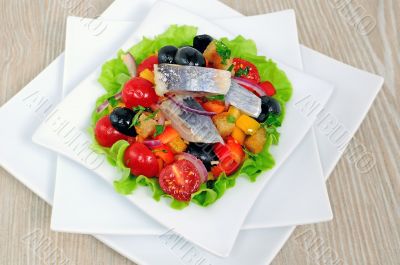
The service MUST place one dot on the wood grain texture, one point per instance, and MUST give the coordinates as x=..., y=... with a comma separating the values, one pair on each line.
x=366, y=205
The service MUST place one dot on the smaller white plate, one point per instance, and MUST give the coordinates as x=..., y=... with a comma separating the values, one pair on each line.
x=62, y=131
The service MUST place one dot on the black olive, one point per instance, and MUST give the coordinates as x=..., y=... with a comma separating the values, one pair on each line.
x=200, y=42
x=189, y=56
x=121, y=120
x=167, y=54
x=204, y=152
x=269, y=105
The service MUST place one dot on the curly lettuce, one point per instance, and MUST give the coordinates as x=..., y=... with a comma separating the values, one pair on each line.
x=113, y=76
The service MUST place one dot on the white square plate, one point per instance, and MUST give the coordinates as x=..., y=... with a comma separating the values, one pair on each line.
x=77, y=214
x=39, y=174
x=55, y=133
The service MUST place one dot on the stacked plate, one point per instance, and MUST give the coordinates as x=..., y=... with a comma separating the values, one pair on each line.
x=252, y=221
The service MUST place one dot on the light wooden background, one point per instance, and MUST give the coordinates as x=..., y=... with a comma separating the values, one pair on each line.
x=366, y=227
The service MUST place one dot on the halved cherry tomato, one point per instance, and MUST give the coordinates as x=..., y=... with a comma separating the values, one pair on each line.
x=216, y=106
x=168, y=135
x=139, y=92
x=230, y=157
x=148, y=63
x=268, y=88
x=141, y=160
x=164, y=152
x=246, y=69
x=106, y=135
x=180, y=180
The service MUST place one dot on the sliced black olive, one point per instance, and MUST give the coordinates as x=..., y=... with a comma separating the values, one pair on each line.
x=204, y=152
x=167, y=54
x=269, y=105
x=189, y=56
x=121, y=120
x=200, y=42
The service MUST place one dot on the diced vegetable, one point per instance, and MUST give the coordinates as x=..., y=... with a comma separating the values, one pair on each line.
x=230, y=157
x=238, y=135
x=168, y=135
x=247, y=124
x=177, y=145
x=255, y=143
x=215, y=106
x=268, y=88
x=146, y=125
x=164, y=152
x=224, y=125
x=148, y=75
x=235, y=112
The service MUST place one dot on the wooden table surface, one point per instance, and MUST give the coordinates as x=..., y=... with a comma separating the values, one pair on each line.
x=366, y=203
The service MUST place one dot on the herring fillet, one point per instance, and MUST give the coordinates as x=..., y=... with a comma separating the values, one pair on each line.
x=191, y=126
x=193, y=79
x=243, y=99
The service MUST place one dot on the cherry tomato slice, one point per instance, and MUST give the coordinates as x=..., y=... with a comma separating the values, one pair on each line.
x=106, y=135
x=148, y=63
x=139, y=92
x=141, y=160
x=268, y=88
x=164, y=152
x=246, y=69
x=180, y=180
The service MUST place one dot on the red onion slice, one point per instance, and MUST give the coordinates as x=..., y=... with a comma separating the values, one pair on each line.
x=247, y=83
x=105, y=104
x=197, y=163
x=196, y=111
x=130, y=63
x=152, y=143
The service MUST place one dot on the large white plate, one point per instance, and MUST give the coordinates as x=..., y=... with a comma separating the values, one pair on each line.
x=300, y=191
x=62, y=132
x=39, y=175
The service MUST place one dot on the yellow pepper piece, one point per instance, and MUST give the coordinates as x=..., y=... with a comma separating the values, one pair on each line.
x=238, y=135
x=148, y=75
x=234, y=112
x=247, y=124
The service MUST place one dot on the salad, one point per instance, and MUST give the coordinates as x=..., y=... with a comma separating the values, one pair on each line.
x=186, y=114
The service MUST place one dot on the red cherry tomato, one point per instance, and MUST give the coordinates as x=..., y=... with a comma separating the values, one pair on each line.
x=230, y=157
x=139, y=91
x=180, y=180
x=164, y=152
x=268, y=88
x=148, y=64
x=246, y=69
x=106, y=135
x=141, y=160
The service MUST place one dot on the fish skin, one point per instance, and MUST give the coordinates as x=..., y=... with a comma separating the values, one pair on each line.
x=191, y=126
x=180, y=79
x=243, y=99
